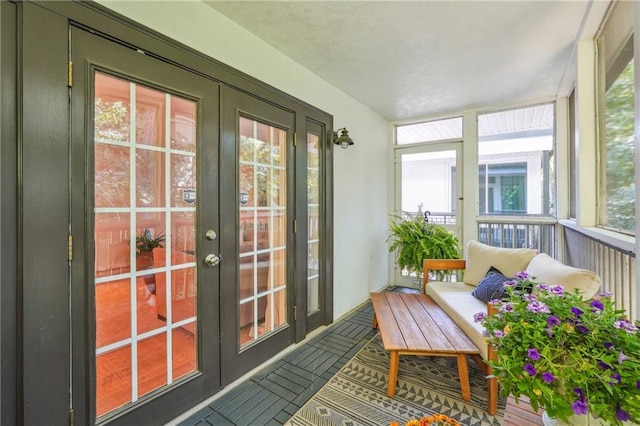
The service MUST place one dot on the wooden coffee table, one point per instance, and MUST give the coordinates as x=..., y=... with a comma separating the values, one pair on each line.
x=413, y=324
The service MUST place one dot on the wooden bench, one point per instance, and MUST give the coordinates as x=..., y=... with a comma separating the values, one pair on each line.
x=413, y=324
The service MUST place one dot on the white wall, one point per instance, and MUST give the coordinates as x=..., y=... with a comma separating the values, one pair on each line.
x=361, y=178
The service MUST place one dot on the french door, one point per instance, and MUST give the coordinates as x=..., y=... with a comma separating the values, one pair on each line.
x=257, y=284
x=429, y=182
x=144, y=182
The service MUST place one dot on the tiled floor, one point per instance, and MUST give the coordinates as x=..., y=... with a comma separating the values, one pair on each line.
x=274, y=394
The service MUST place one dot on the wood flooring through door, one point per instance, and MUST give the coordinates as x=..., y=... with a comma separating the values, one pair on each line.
x=113, y=324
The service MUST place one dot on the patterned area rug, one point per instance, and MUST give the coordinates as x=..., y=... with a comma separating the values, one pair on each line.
x=357, y=394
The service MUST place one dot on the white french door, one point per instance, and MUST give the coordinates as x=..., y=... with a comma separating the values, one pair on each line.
x=429, y=182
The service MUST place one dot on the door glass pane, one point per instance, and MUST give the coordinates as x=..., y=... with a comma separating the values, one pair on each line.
x=145, y=269
x=313, y=215
x=428, y=183
x=262, y=262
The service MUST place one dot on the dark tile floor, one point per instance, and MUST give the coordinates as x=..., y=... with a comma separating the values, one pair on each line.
x=273, y=395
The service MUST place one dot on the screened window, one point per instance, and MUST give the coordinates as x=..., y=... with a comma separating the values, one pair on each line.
x=515, y=157
x=616, y=104
x=429, y=131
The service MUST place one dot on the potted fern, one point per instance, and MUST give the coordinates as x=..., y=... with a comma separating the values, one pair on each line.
x=414, y=239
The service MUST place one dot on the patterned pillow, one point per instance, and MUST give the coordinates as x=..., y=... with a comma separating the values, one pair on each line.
x=491, y=286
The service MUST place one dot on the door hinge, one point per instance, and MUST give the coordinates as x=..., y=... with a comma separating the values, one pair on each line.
x=295, y=139
x=71, y=417
x=295, y=313
x=295, y=226
x=70, y=73
x=70, y=248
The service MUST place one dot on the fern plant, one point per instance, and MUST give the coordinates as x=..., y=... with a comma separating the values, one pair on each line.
x=414, y=239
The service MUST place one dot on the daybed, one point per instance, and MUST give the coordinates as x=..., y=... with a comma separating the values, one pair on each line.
x=482, y=264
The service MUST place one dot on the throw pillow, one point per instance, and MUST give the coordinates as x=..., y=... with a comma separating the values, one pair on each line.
x=491, y=286
x=481, y=256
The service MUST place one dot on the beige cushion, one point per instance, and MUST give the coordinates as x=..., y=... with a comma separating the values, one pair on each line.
x=481, y=257
x=549, y=271
x=456, y=300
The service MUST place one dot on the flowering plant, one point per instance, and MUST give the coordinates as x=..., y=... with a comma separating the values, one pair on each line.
x=566, y=354
x=435, y=420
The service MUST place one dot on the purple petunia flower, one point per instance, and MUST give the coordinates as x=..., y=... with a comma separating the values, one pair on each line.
x=543, y=287
x=523, y=275
x=548, y=377
x=498, y=333
x=582, y=329
x=608, y=345
x=622, y=415
x=622, y=357
x=604, y=365
x=604, y=295
x=625, y=325
x=530, y=369
x=509, y=283
x=579, y=407
x=549, y=332
x=576, y=311
x=538, y=307
x=530, y=298
x=533, y=354
x=558, y=290
x=615, y=376
x=553, y=320
x=478, y=317
x=507, y=307
x=638, y=384
x=597, y=306
x=579, y=393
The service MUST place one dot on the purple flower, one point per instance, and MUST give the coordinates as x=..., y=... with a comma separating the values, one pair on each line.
x=576, y=311
x=543, y=287
x=579, y=393
x=547, y=377
x=498, y=333
x=579, y=407
x=622, y=415
x=615, y=376
x=478, y=317
x=549, y=332
x=507, y=307
x=638, y=385
x=622, y=357
x=530, y=298
x=582, y=329
x=625, y=325
x=509, y=283
x=597, y=306
x=530, y=369
x=538, y=307
x=605, y=294
x=604, y=365
x=558, y=290
x=523, y=275
x=553, y=320
x=533, y=354
x=608, y=345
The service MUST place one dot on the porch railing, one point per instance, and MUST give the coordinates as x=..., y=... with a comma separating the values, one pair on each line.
x=535, y=233
x=615, y=266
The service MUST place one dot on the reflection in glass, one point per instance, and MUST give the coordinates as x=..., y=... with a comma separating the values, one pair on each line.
x=263, y=228
x=313, y=224
x=145, y=270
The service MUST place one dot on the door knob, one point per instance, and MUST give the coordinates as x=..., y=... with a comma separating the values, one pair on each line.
x=212, y=260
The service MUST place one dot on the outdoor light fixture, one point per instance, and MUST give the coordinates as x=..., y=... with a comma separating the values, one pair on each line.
x=344, y=140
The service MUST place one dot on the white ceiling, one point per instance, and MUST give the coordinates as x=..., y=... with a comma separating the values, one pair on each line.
x=409, y=59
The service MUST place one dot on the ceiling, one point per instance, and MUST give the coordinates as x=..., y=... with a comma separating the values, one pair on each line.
x=410, y=59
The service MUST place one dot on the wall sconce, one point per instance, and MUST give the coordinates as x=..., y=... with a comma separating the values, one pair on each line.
x=344, y=140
